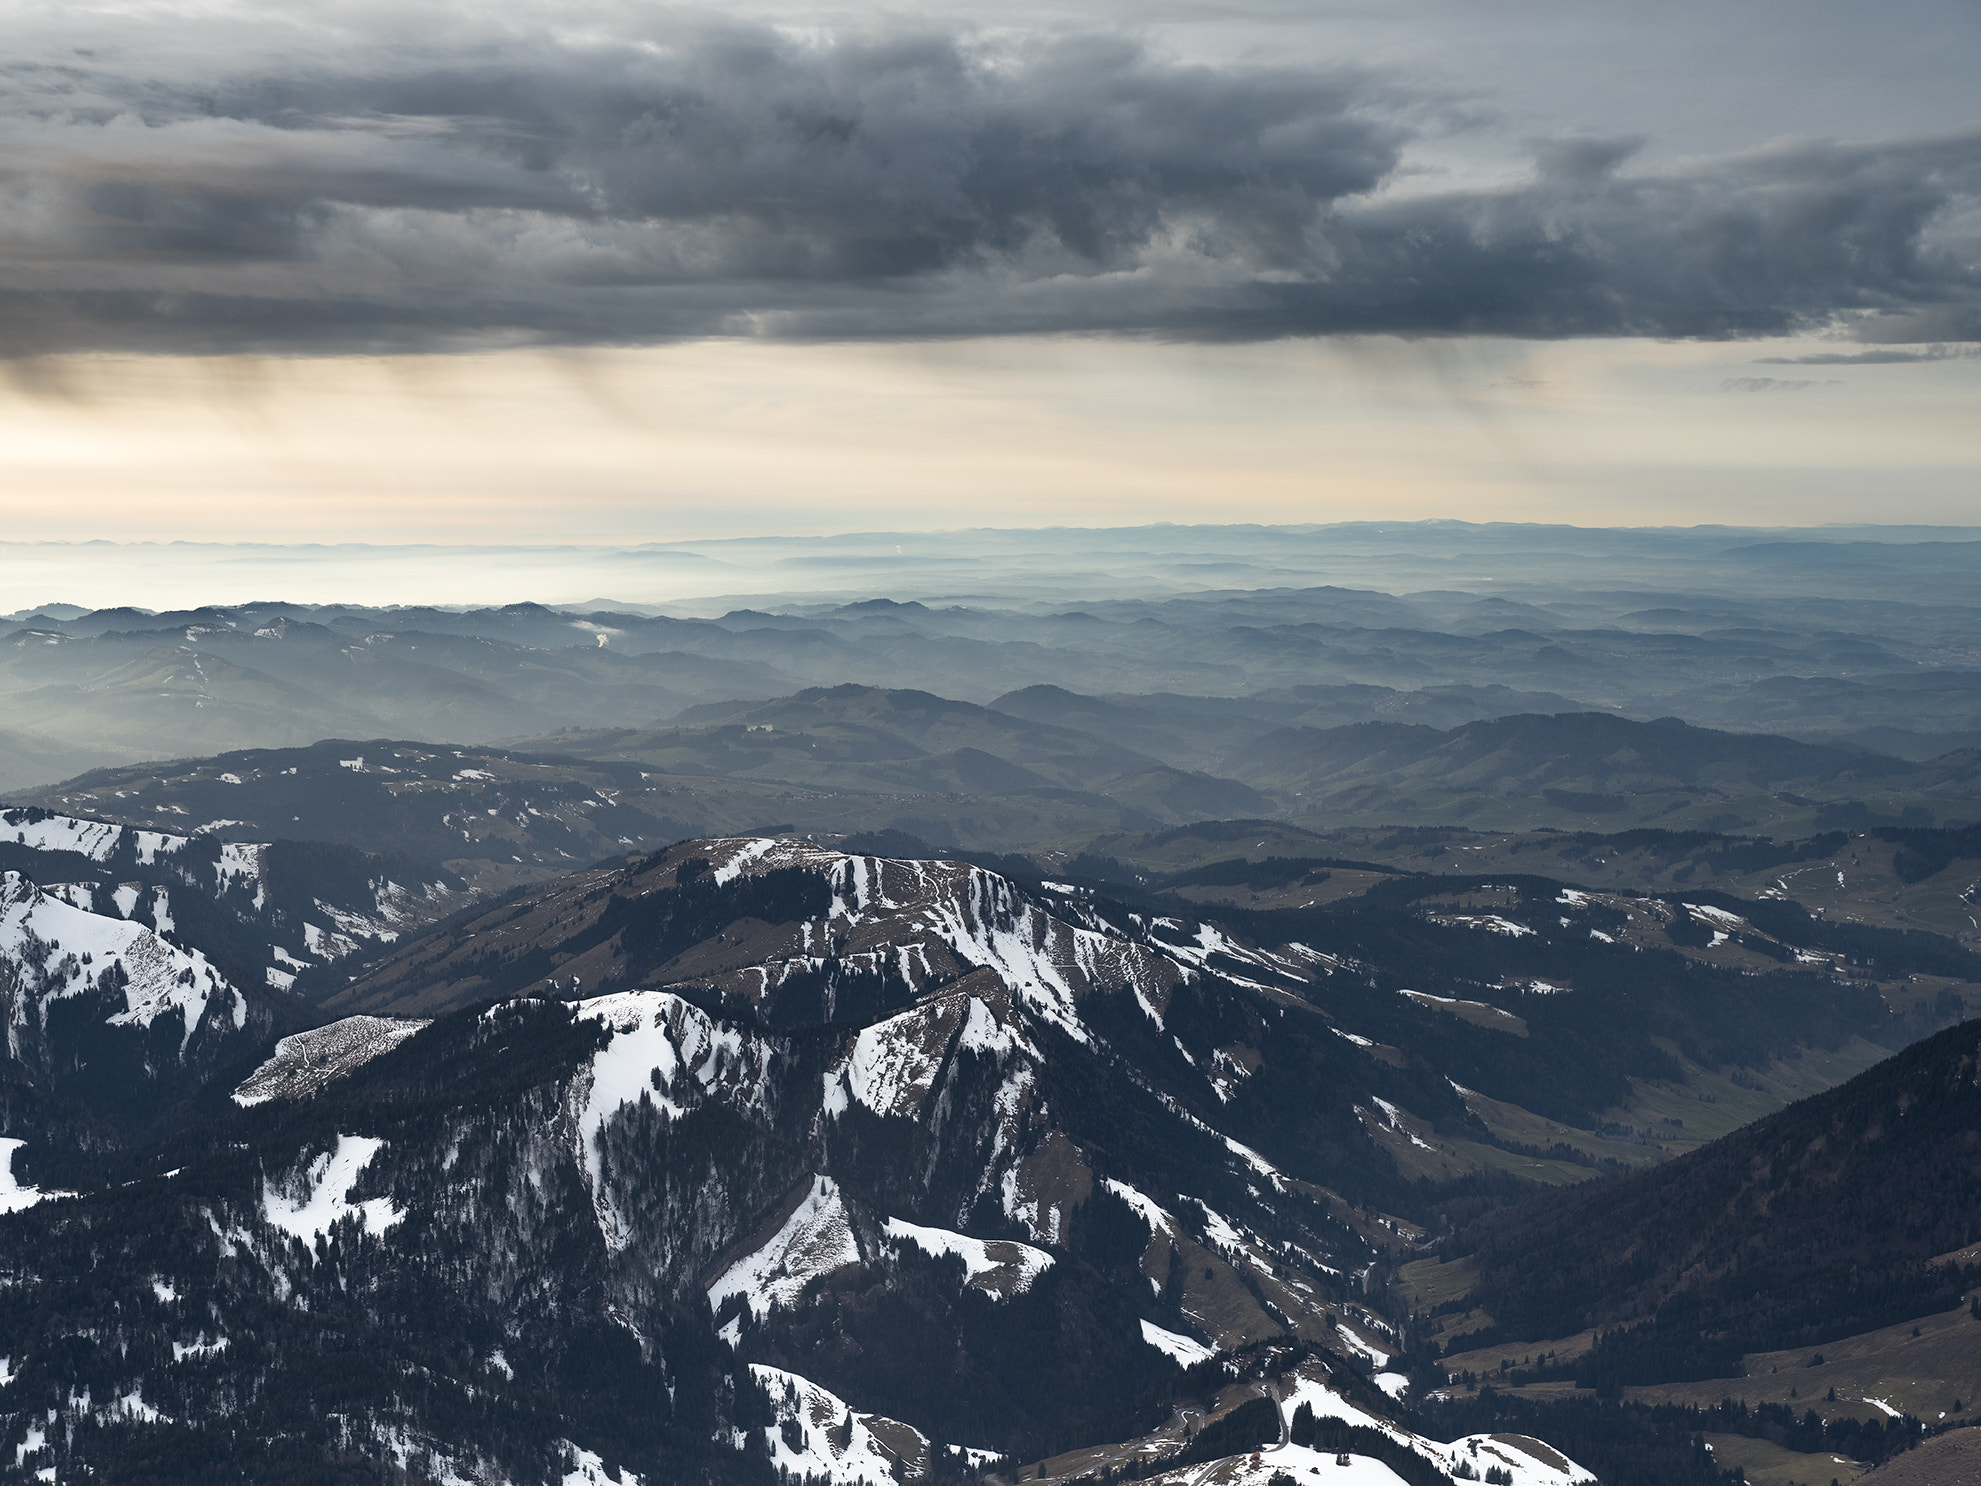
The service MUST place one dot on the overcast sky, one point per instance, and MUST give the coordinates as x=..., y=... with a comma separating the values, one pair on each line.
x=629, y=272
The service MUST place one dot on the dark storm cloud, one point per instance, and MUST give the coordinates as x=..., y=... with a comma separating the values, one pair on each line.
x=737, y=180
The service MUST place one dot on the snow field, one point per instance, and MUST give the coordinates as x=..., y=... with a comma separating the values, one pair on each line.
x=1002, y=1267
x=1718, y=918
x=656, y=1038
x=1492, y=923
x=835, y=1442
x=95, y=839
x=326, y=1195
x=160, y=976
x=14, y=1196
x=1530, y=1462
x=305, y=1061
x=893, y=1064
x=816, y=1239
x=588, y=1469
x=1182, y=1350
x=1296, y=1460
x=98, y=840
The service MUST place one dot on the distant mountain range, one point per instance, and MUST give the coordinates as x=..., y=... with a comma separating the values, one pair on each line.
x=1186, y=679
x=1594, y=769
x=1567, y=769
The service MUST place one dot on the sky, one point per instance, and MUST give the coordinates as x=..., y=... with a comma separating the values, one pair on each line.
x=605, y=273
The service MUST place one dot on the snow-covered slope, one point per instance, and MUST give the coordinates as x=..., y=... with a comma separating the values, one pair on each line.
x=1528, y=1461
x=60, y=951
x=304, y=1062
x=267, y=913
x=818, y=1436
x=997, y=1267
x=882, y=1159
x=108, y=1013
x=182, y=939
x=1323, y=1432
x=14, y=1196
x=806, y=933
x=318, y=1198
x=814, y=1241
x=1523, y=1465
x=930, y=922
x=966, y=998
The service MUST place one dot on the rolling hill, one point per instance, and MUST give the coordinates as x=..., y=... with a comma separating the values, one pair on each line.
x=1852, y=1210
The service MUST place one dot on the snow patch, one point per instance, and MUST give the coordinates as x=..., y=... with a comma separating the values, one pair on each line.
x=982, y=1033
x=1355, y=1342
x=657, y=1039
x=326, y=1194
x=1492, y=923
x=1425, y=998
x=1527, y=1461
x=583, y=1468
x=132, y=1406
x=997, y=1266
x=1717, y=918
x=833, y=1443
x=816, y=1239
x=1182, y=1350
x=1394, y=1117
x=1159, y=1221
x=13, y=1196
x=159, y=976
x=1219, y=1230
x=741, y=856
x=305, y=1061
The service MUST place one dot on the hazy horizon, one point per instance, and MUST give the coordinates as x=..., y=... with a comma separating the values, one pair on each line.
x=1028, y=564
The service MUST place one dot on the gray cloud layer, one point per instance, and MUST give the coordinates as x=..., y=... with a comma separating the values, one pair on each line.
x=1886, y=356
x=501, y=187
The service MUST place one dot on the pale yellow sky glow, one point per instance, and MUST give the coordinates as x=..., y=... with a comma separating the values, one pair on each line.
x=727, y=438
